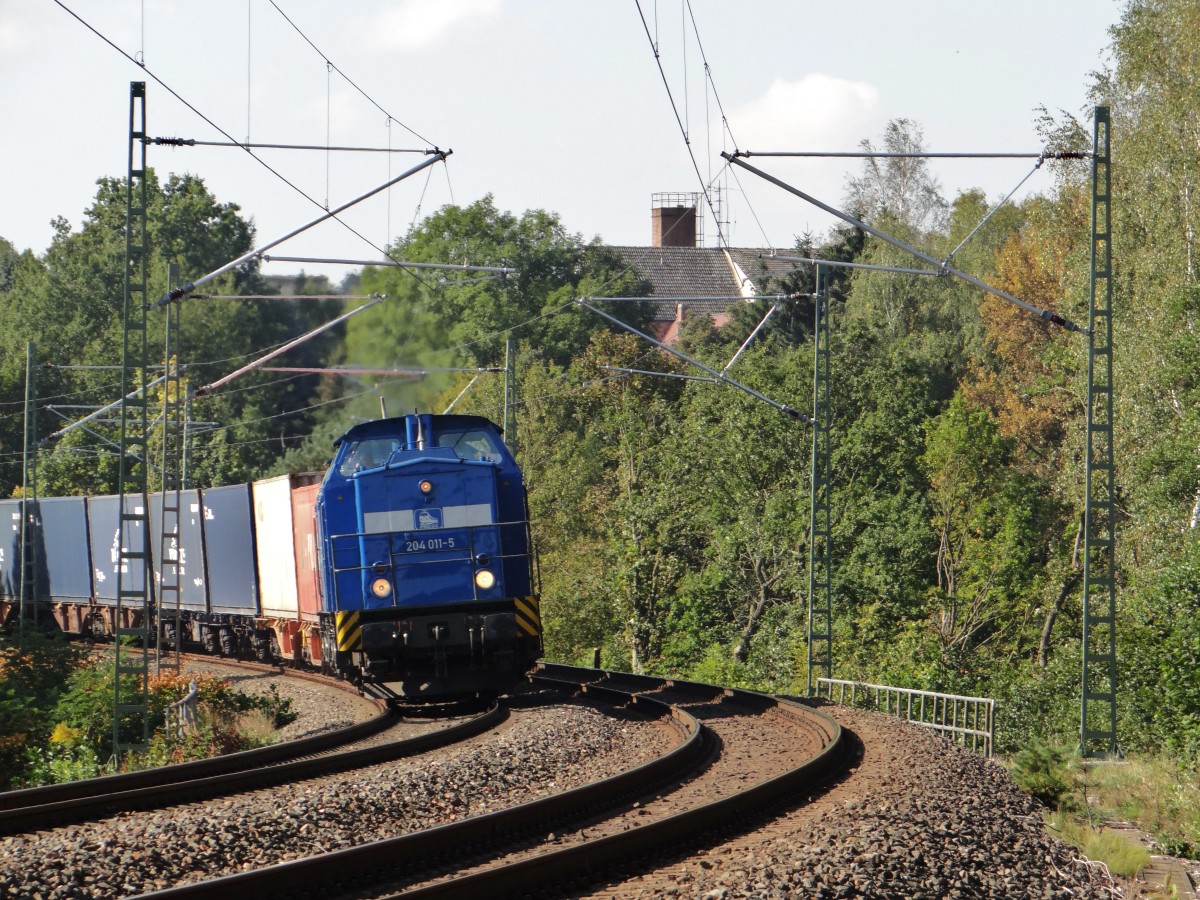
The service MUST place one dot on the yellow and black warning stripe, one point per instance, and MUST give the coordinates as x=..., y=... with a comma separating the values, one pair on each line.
x=349, y=631
x=529, y=615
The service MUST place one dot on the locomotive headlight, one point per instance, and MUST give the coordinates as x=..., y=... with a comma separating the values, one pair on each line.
x=484, y=579
x=426, y=486
x=381, y=587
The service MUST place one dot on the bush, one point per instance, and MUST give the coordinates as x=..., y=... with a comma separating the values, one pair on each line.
x=33, y=676
x=80, y=743
x=65, y=758
x=1041, y=770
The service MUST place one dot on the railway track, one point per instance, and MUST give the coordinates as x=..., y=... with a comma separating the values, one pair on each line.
x=711, y=792
x=342, y=749
x=736, y=752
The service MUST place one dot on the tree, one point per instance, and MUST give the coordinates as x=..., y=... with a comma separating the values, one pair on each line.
x=990, y=521
x=69, y=304
x=552, y=268
x=898, y=190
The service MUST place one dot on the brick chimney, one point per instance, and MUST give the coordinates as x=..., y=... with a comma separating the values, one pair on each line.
x=673, y=220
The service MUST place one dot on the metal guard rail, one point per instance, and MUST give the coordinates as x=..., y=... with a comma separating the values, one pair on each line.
x=970, y=721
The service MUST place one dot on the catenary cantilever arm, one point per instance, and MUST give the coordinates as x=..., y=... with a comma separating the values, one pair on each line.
x=717, y=376
x=1045, y=314
x=221, y=382
x=180, y=292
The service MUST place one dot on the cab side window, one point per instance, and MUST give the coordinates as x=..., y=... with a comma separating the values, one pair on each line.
x=472, y=445
x=370, y=454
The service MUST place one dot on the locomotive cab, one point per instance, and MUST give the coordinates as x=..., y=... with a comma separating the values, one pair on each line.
x=426, y=564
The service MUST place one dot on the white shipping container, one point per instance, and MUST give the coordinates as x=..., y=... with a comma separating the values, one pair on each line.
x=276, y=554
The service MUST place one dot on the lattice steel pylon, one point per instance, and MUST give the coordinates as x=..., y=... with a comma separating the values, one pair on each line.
x=168, y=608
x=820, y=598
x=29, y=509
x=132, y=622
x=1098, y=706
x=510, y=395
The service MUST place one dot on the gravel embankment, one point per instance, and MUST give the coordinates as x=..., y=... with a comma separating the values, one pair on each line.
x=915, y=818
x=540, y=751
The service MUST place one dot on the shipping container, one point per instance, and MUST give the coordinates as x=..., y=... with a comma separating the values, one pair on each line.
x=65, y=571
x=184, y=547
x=276, y=555
x=286, y=580
x=304, y=529
x=229, y=550
x=103, y=527
x=10, y=549
x=308, y=574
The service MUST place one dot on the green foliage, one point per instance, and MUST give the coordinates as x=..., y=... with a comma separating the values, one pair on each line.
x=1035, y=703
x=32, y=674
x=62, y=760
x=1041, y=770
x=1162, y=656
x=1159, y=793
x=227, y=721
x=69, y=301
x=77, y=731
x=671, y=516
x=1118, y=852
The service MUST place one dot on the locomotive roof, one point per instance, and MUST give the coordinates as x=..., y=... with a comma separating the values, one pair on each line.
x=395, y=425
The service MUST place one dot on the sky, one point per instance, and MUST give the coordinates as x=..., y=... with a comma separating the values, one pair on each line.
x=546, y=104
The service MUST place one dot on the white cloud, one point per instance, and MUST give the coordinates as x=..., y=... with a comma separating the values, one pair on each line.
x=13, y=33
x=818, y=112
x=414, y=24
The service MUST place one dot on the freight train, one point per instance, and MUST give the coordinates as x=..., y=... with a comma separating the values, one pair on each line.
x=408, y=568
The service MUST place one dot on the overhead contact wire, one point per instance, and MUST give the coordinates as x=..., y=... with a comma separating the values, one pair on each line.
x=230, y=137
x=675, y=109
x=679, y=120
x=349, y=80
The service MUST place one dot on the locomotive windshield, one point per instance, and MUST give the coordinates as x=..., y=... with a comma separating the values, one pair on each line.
x=368, y=454
x=476, y=444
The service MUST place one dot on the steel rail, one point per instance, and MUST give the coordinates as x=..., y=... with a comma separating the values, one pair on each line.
x=249, y=770
x=584, y=860
x=417, y=849
x=347, y=870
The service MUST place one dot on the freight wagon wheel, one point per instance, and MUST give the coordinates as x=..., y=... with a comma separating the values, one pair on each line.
x=94, y=625
x=327, y=652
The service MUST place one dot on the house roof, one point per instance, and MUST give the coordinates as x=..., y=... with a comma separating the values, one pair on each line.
x=700, y=272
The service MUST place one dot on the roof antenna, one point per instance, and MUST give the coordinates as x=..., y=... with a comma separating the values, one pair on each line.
x=382, y=407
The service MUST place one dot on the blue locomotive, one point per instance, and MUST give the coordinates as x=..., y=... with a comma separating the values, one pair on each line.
x=427, y=577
